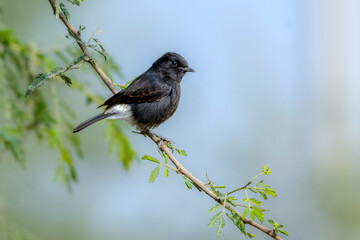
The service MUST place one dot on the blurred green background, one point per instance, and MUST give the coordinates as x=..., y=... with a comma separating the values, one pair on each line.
x=276, y=82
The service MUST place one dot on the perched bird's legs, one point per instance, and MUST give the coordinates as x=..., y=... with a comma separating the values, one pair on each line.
x=140, y=132
x=161, y=138
x=164, y=139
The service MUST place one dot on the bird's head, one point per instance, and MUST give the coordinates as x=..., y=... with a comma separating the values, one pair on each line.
x=172, y=65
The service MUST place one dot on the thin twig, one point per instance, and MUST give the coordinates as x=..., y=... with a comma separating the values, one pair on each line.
x=161, y=144
x=84, y=49
x=240, y=205
x=238, y=189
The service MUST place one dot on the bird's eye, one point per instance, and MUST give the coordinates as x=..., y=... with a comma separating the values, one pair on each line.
x=174, y=64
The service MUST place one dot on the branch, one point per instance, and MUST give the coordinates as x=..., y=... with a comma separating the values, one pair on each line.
x=161, y=144
x=163, y=147
x=87, y=56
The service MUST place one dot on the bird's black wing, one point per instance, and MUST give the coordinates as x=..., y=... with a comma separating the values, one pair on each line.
x=145, y=88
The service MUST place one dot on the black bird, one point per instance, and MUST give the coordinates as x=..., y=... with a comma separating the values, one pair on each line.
x=150, y=99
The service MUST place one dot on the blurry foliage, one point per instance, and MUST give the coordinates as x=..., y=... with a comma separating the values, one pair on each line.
x=44, y=113
x=337, y=195
x=10, y=230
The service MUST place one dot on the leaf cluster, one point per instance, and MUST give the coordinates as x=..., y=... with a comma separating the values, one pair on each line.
x=155, y=173
x=75, y=2
x=9, y=229
x=45, y=113
x=93, y=43
x=252, y=205
x=278, y=227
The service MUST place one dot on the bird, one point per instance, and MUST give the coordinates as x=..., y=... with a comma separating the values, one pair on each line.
x=150, y=99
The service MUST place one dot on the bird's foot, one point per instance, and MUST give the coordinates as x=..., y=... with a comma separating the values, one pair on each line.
x=165, y=140
x=140, y=132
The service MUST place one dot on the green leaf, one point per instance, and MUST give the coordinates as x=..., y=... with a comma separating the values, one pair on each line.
x=154, y=174
x=260, y=183
x=266, y=170
x=187, y=183
x=66, y=156
x=66, y=79
x=220, y=225
x=61, y=174
x=82, y=28
x=101, y=53
x=237, y=221
x=262, y=194
x=255, y=201
x=65, y=11
x=39, y=80
x=196, y=186
x=222, y=186
x=78, y=60
x=215, y=219
x=250, y=235
x=271, y=222
x=169, y=145
x=13, y=143
x=232, y=202
x=215, y=208
x=283, y=232
x=270, y=191
x=251, y=189
x=181, y=152
x=75, y=2
x=258, y=213
x=150, y=158
x=117, y=139
x=101, y=46
x=241, y=226
x=166, y=172
x=166, y=158
x=247, y=209
x=126, y=85
x=252, y=215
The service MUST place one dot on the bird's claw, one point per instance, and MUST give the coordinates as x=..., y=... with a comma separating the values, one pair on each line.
x=165, y=140
x=141, y=133
x=161, y=139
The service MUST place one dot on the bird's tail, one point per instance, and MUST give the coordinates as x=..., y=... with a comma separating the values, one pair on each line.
x=92, y=121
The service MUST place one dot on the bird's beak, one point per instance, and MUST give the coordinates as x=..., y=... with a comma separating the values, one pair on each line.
x=190, y=70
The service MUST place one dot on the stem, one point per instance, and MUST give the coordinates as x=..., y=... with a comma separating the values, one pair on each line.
x=240, y=205
x=238, y=189
x=170, y=167
x=257, y=176
x=244, y=187
x=248, y=199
